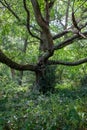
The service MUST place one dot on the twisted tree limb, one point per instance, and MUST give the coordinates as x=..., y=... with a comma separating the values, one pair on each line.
x=66, y=63
x=5, y=60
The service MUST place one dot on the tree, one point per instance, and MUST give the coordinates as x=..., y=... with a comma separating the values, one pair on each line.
x=47, y=15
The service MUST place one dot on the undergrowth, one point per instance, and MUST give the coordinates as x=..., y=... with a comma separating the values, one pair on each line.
x=23, y=109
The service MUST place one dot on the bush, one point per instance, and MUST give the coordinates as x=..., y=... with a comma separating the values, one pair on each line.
x=23, y=110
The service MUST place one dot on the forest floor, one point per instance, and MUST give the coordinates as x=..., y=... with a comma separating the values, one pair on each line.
x=22, y=109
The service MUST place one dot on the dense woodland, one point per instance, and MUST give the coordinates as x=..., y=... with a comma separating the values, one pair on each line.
x=43, y=64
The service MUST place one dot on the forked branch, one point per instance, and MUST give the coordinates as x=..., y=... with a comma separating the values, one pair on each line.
x=69, y=41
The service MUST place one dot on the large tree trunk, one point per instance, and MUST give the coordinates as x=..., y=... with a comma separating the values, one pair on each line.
x=45, y=79
x=45, y=76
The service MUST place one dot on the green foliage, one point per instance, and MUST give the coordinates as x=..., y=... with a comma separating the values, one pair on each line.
x=84, y=80
x=22, y=109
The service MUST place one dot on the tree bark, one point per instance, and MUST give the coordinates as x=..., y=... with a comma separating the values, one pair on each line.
x=45, y=79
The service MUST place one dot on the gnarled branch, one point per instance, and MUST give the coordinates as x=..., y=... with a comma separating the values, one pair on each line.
x=69, y=41
x=5, y=4
x=64, y=32
x=28, y=20
x=75, y=63
x=5, y=60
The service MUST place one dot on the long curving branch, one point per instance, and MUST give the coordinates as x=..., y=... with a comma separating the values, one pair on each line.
x=28, y=20
x=75, y=63
x=64, y=32
x=69, y=41
x=10, y=9
x=61, y=34
x=5, y=60
x=6, y=5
